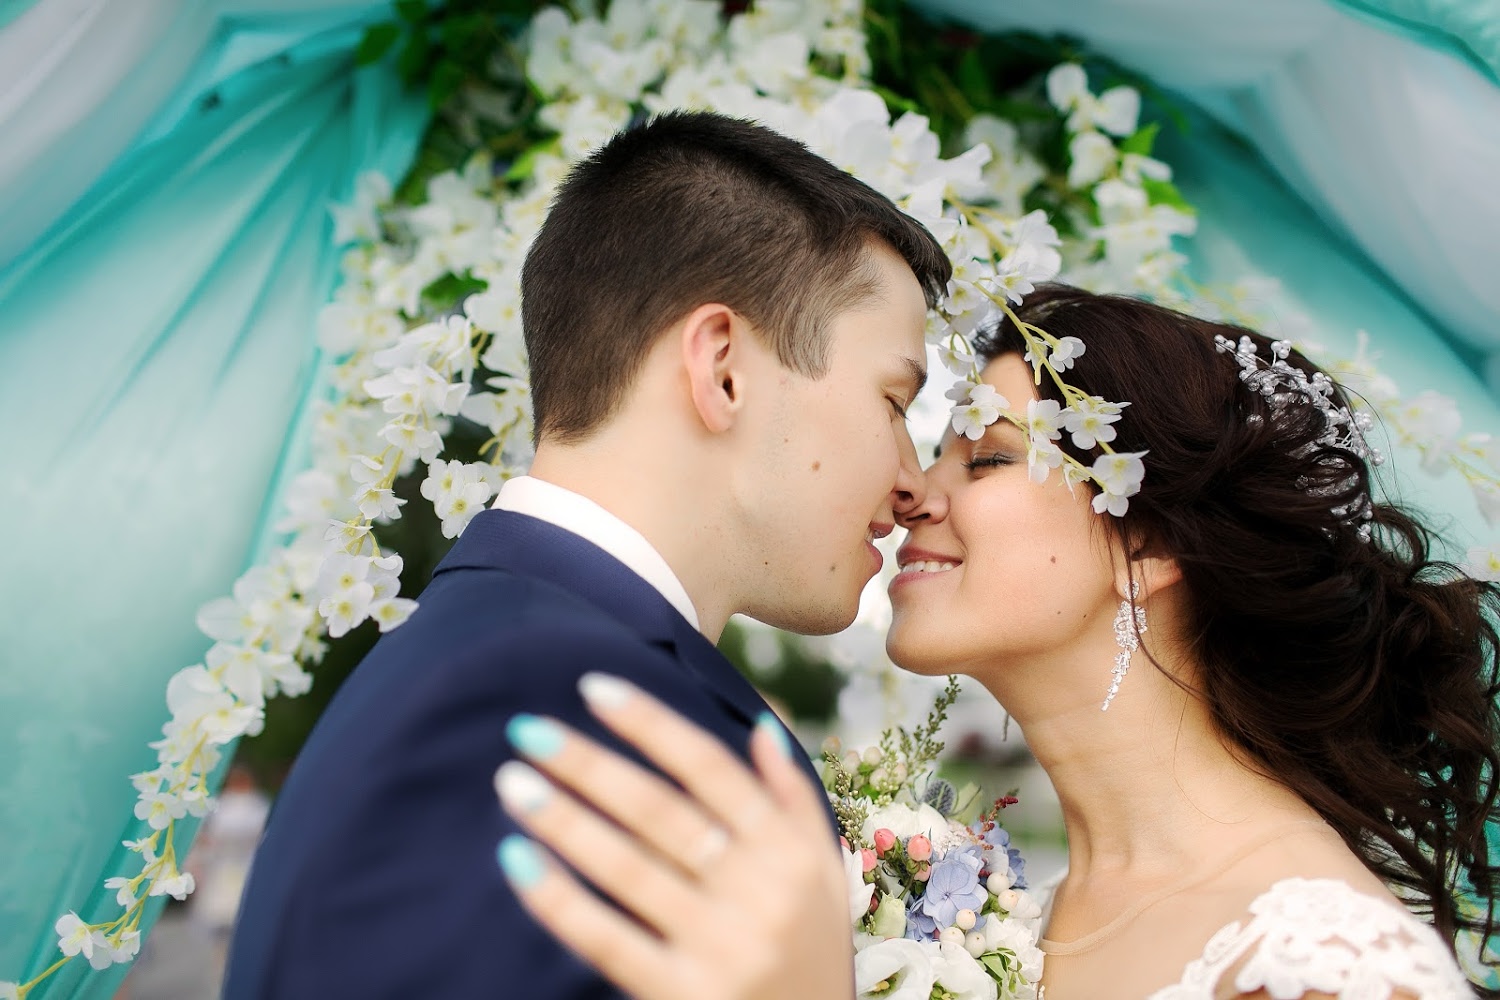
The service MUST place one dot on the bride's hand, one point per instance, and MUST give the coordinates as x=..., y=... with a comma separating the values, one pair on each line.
x=736, y=886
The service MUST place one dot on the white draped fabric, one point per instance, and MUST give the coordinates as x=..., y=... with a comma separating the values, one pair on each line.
x=1395, y=144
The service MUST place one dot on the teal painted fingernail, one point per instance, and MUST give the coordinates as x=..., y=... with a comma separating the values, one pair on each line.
x=772, y=725
x=520, y=861
x=536, y=737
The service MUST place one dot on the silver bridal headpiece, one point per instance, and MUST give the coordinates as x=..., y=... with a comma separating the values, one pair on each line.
x=1284, y=385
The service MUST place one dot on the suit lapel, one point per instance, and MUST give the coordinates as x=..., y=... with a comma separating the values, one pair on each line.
x=527, y=546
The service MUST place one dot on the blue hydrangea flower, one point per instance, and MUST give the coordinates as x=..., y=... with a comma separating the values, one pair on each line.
x=997, y=839
x=953, y=886
x=919, y=926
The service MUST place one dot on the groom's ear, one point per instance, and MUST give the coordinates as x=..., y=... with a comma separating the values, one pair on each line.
x=712, y=340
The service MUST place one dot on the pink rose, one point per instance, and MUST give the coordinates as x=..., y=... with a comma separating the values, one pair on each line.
x=919, y=848
x=867, y=858
x=884, y=841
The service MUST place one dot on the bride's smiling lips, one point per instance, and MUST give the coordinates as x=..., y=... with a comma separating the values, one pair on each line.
x=918, y=563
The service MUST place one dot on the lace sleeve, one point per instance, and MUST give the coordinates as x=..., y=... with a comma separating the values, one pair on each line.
x=1323, y=936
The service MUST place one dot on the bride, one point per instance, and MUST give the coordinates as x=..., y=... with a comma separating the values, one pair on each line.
x=1297, y=752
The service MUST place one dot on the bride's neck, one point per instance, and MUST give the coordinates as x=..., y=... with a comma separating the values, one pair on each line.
x=1146, y=784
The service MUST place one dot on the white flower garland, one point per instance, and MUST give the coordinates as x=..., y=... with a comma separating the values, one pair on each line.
x=403, y=367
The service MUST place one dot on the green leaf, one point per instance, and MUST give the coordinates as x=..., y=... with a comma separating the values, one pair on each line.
x=973, y=78
x=996, y=963
x=377, y=42
x=1142, y=142
x=415, y=58
x=1165, y=193
x=522, y=167
x=895, y=101
x=412, y=11
x=447, y=77
x=451, y=289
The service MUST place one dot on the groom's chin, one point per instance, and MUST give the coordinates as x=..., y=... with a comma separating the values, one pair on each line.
x=807, y=619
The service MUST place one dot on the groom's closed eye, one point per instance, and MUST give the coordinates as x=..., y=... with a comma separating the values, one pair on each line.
x=910, y=380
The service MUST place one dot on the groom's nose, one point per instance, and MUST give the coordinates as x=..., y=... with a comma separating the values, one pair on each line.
x=910, y=490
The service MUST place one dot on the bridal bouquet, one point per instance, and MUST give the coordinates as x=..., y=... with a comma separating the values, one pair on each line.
x=938, y=905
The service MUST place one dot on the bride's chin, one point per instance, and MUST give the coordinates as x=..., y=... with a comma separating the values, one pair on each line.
x=911, y=656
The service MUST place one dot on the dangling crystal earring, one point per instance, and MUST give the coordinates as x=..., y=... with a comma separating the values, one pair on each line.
x=1130, y=622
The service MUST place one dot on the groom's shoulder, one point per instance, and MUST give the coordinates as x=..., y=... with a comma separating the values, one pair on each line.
x=500, y=630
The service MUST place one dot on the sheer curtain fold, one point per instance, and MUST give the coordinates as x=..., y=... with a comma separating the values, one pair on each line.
x=157, y=353
x=1382, y=114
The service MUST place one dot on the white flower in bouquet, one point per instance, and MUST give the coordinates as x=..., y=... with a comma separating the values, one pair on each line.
x=894, y=969
x=1018, y=936
x=940, y=880
x=906, y=822
x=860, y=891
x=960, y=977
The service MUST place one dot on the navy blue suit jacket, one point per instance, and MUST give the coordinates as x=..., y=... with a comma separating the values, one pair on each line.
x=377, y=875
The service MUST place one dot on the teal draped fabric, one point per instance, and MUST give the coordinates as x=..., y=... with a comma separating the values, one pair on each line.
x=12, y=9
x=1249, y=222
x=157, y=356
x=1468, y=28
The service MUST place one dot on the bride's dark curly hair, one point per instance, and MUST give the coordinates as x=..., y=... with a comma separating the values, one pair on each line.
x=1362, y=675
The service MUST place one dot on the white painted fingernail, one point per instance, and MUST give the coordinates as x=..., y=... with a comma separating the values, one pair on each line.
x=521, y=788
x=604, y=691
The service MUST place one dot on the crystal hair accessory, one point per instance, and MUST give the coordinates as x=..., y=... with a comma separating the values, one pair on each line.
x=1284, y=385
x=1130, y=622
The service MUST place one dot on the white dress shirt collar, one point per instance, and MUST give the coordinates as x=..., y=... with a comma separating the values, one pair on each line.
x=583, y=517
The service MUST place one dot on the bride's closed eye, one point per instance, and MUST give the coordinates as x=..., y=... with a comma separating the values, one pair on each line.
x=988, y=461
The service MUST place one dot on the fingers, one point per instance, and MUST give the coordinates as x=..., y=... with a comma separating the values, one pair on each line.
x=642, y=802
x=772, y=755
x=691, y=756
x=599, y=934
x=611, y=859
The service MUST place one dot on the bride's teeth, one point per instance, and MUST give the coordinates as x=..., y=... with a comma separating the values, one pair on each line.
x=928, y=567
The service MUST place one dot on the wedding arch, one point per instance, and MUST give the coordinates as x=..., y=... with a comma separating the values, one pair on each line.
x=274, y=247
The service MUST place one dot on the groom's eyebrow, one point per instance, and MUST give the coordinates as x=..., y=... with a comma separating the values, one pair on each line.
x=916, y=375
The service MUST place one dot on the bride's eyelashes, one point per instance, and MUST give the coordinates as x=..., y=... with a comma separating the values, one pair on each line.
x=988, y=462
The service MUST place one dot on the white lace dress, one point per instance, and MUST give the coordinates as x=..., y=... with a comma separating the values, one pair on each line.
x=1322, y=935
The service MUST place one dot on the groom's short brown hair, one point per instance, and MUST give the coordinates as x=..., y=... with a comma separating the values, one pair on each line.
x=689, y=208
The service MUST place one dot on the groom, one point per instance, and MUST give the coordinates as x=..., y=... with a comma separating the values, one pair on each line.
x=724, y=331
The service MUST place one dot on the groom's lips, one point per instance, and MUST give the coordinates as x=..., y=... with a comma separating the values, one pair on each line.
x=877, y=531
